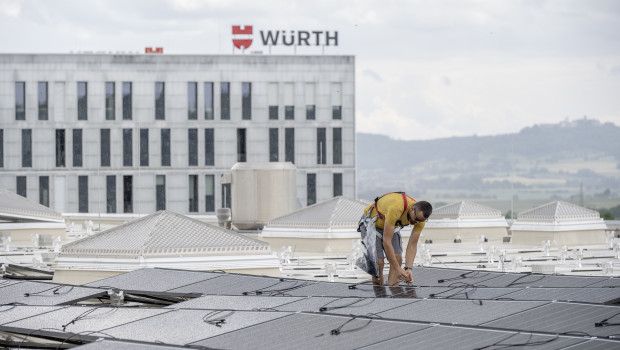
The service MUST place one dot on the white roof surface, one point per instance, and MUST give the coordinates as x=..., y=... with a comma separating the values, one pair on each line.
x=461, y=210
x=337, y=212
x=559, y=211
x=14, y=206
x=166, y=233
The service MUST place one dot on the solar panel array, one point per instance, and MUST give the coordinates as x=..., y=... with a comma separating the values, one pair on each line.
x=444, y=309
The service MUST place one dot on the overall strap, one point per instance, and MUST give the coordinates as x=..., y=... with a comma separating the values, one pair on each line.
x=376, y=204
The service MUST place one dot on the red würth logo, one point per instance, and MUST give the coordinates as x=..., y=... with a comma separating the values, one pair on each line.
x=242, y=30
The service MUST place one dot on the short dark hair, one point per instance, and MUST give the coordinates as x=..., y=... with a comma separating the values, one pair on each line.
x=425, y=207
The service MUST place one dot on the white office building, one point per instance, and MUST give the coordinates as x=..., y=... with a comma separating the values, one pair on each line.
x=137, y=133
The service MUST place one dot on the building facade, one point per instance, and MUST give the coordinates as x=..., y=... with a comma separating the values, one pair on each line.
x=106, y=133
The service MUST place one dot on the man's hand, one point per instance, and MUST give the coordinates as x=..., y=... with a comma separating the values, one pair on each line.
x=409, y=278
x=406, y=276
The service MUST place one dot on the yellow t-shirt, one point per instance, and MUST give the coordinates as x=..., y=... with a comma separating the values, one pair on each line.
x=391, y=206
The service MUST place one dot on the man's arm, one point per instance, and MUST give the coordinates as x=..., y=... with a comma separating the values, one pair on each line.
x=388, y=234
x=412, y=249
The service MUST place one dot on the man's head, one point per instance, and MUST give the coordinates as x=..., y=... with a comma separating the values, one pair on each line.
x=420, y=212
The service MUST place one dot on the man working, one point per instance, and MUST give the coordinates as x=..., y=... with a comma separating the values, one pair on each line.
x=394, y=211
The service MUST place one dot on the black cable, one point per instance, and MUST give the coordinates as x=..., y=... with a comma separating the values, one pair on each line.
x=604, y=322
x=338, y=330
x=33, y=332
x=55, y=292
x=86, y=333
x=514, y=283
x=354, y=286
x=464, y=287
x=462, y=276
x=325, y=308
x=83, y=316
x=219, y=321
x=279, y=292
x=528, y=343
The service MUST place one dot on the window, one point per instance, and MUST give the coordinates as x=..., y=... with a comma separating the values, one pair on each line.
x=192, y=101
x=110, y=190
x=336, y=112
x=273, y=112
x=44, y=190
x=127, y=101
x=193, y=193
x=1, y=148
x=165, y=147
x=225, y=101
x=60, y=148
x=226, y=196
x=192, y=147
x=105, y=147
x=208, y=101
x=273, y=144
x=310, y=112
x=337, y=184
x=241, y=154
x=321, y=153
x=127, y=147
x=209, y=193
x=289, y=145
x=26, y=148
x=42, y=100
x=144, y=147
x=109, y=100
x=83, y=194
x=337, y=146
x=20, y=100
x=82, y=95
x=289, y=112
x=209, y=147
x=246, y=101
x=77, y=147
x=160, y=192
x=311, y=188
x=160, y=101
x=127, y=194
x=21, y=186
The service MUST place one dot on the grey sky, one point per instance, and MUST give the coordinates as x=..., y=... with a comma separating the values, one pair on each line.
x=425, y=69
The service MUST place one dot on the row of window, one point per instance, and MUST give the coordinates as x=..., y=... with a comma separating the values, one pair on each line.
x=192, y=151
x=160, y=192
x=160, y=102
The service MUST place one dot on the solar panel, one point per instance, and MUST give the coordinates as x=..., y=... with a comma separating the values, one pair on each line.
x=84, y=319
x=540, y=280
x=105, y=344
x=180, y=327
x=7, y=282
x=225, y=302
x=608, y=282
x=430, y=276
x=38, y=293
x=329, y=289
x=563, y=318
x=346, y=306
x=448, y=337
x=424, y=276
x=311, y=331
x=596, y=344
x=231, y=284
x=466, y=312
x=463, y=292
x=153, y=280
x=11, y=313
x=590, y=295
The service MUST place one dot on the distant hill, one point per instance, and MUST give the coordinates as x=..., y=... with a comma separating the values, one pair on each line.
x=577, y=138
x=551, y=160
